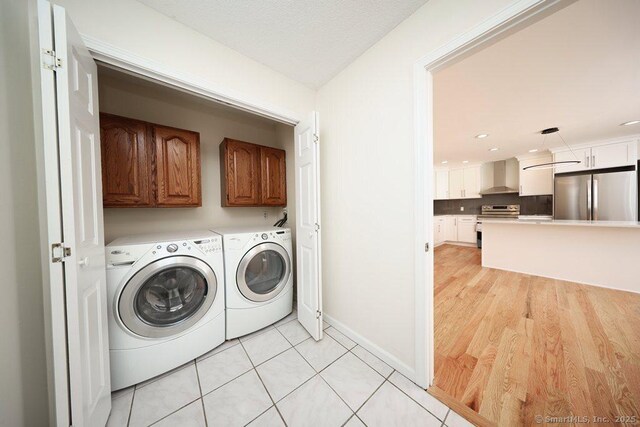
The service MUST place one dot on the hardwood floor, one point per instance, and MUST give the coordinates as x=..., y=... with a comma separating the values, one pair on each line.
x=512, y=346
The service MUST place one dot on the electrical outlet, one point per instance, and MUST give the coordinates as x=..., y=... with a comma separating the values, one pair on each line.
x=461, y=208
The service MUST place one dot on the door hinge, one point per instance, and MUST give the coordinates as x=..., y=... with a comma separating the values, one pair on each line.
x=318, y=314
x=316, y=138
x=59, y=252
x=317, y=227
x=426, y=247
x=50, y=60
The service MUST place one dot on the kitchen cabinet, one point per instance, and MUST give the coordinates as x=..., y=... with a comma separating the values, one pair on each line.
x=148, y=165
x=441, y=188
x=177, y=167
x=465, y=183
x=598, y=156
x=252, y=175
x=438, y=232
x=535, y=182
x=454, y=229
x=467, y=229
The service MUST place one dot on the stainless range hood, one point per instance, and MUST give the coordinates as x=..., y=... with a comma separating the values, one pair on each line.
x=505, y=177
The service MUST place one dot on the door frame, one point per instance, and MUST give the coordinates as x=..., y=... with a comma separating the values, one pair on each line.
x=514, y=17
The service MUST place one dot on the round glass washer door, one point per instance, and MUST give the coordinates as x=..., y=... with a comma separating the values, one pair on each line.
x=263, y=272
x=167, y=296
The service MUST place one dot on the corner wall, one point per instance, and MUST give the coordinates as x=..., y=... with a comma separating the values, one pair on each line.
x=23, y=375
x=368, y=166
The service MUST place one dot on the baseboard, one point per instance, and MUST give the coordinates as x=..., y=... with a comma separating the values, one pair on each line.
x=372, y=348
x=562, y=279
x=459, y=407
x=468, y=245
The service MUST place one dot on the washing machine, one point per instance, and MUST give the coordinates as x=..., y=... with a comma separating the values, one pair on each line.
x=259, y=279
x=166, y=296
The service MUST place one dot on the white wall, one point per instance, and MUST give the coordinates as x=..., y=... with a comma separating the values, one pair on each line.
x=141, y=100
x=23, y=376
x=140, y=30
x=367, y=154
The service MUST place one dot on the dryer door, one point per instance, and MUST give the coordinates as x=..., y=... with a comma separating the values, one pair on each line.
x=167, y=296
x=263, y=272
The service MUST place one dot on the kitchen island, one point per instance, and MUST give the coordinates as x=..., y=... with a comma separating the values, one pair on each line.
x=601, y=253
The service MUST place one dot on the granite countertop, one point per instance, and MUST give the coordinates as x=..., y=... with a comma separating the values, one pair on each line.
x=563, y=222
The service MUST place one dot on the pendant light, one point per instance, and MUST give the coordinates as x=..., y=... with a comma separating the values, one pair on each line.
x=550, y=165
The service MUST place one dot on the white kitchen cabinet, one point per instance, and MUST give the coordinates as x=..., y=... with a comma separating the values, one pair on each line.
x=604, y=155
x=456, y=183
x=613, y=155
x=536, y=182
x=451, y=228
x=466, y=229
x=582, y=154
x=465, y=183
x=438, y=230
x=472, y=182
x=441, y=178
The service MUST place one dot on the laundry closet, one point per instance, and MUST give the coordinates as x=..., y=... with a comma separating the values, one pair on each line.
x=159, y=107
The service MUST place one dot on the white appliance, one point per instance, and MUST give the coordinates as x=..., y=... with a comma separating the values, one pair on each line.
x=259, y=279
x=166, y=297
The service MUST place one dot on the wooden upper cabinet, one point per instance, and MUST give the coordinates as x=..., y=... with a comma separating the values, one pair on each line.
x=126, y=162
x=177, y=167
x=252, y=175
x=273, y=175
x=148, y=165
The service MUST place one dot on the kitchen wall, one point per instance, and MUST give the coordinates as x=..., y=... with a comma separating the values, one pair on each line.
x=368, y=181
x=126, y=96
x=23, y=373
x=529, y=205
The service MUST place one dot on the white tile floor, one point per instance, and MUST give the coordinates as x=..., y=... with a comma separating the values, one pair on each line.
x=279, y=376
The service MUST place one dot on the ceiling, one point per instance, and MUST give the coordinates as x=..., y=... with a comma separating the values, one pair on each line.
x=307, y=40
x=578, y=69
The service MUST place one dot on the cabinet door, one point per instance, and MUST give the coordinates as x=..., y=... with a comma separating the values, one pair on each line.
x=240, y=173
x=456, y=183
x=177, y=167
x=536, y=182
x=126, y=162
x=471, y=183
x=612, y=155
x=273, y=176
x=442, y=184
x=450, y=229
x=582, y=154
x=439, y=230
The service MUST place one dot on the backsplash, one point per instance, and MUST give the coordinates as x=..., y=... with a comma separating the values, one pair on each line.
x=529, y=205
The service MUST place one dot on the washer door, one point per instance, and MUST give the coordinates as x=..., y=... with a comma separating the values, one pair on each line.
x=263, y=272
x=167, y=296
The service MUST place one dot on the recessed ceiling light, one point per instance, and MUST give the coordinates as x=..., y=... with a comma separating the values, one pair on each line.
x=493, y=149
x=465, y=161
x=482, y=135
x=444, y=162
x=533, y=150
x=632, y=122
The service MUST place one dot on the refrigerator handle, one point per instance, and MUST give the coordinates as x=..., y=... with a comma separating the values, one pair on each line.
x=595, y=199
x=589, y=199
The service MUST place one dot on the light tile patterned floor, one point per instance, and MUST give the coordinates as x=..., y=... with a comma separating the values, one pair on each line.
x=279, y=376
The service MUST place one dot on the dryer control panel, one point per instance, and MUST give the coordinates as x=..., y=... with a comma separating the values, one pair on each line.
x=209, y=246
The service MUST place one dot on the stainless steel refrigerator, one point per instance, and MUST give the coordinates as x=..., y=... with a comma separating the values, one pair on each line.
x=607, y=195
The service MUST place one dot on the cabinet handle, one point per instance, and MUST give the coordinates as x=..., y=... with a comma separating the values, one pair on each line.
x=593, y=161
x=520, y=188
x=588, y=158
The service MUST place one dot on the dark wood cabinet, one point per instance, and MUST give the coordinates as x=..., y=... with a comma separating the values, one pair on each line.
x=126, y=162
x=273, y=176
x=148, y=165
x=177, y=167
x=252, y=175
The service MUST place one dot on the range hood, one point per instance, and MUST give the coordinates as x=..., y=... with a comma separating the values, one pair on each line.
x=505, y=177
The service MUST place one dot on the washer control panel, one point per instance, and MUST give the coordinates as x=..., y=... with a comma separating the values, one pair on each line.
x=209, y=246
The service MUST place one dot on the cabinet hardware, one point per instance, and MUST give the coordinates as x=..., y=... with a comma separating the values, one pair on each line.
x=59, y=252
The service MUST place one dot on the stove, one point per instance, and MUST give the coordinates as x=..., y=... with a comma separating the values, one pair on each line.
x=496, y=211
x=500, y=211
